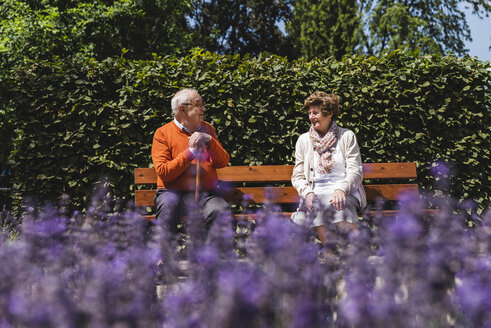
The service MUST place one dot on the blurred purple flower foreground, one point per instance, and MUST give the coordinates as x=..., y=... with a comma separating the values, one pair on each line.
x=107, y=268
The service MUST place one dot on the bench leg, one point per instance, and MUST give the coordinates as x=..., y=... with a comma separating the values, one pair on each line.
x=342, y=228
x=321, y=234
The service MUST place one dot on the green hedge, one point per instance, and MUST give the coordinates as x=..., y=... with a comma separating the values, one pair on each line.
x=80, y=121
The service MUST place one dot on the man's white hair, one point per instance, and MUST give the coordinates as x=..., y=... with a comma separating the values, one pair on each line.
x=181, y=97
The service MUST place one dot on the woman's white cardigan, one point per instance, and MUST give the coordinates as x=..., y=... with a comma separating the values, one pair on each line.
x=303, y=172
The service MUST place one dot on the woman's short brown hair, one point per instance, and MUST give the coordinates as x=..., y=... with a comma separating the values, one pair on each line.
x=329, y=102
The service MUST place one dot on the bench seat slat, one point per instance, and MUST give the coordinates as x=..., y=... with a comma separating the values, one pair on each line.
x=384, y=213
x=260, y=195
x=264, y=173
x=286, y=195
x=145, y=175
x=283, y=173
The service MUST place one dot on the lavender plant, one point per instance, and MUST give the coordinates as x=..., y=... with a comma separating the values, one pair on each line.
x=106, y=268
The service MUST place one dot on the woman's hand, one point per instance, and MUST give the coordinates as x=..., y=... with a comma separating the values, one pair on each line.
x=338, y=199
x=309, y=201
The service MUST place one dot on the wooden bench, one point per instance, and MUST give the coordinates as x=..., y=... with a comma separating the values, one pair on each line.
x=271, y=183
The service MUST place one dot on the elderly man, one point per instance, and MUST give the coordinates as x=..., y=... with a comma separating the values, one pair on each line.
x=176, y=148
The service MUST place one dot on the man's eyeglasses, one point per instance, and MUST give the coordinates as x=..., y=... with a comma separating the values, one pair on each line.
x=199, y=105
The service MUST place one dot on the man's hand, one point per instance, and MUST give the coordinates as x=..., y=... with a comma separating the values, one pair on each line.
x=199, y=141
x=309, y=201
x=338, y=199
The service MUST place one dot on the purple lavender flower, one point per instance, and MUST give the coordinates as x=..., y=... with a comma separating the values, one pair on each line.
x=105, y=267
x=474, y=297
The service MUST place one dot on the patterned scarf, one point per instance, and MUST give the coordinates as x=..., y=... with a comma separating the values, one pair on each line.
x=325, y=147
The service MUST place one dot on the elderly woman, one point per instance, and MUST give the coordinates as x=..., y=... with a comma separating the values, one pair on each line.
x=328, y=169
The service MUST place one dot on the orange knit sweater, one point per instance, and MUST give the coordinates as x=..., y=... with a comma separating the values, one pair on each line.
x=175, y=164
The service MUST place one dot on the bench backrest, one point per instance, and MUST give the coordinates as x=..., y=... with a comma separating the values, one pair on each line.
x=245, y=180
